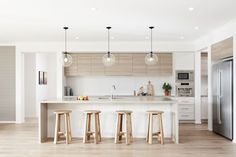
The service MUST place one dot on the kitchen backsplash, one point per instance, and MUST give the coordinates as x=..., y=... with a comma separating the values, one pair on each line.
x=125, y=85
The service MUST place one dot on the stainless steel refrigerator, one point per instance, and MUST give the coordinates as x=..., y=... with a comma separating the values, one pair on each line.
x=222, y=80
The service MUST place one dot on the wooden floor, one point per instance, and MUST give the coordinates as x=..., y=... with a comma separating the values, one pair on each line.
x=21, y=140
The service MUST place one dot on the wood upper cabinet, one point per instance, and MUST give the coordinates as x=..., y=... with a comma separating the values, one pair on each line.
x=84, y=63
x=126, y=64
x=163, y=66
x=122, y=66
x=222, y=49
x=72, y=70
x=97, y=67
x=156, y=68
x=139, y=66
x=166, y=64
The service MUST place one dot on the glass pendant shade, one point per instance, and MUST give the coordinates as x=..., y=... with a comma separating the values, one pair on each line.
x=67, y=60
x=151, y=59
x=108, y=59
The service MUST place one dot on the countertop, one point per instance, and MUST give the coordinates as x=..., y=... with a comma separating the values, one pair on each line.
x=118, y=100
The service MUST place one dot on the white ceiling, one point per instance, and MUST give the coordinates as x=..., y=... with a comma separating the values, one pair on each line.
x=42, y=20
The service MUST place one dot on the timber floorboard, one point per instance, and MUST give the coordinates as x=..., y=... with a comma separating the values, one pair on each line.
x=21, y=140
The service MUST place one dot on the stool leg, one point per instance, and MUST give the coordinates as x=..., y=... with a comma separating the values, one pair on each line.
x=161, y=128
x=96, y=139
x=85, y=139
x=121, y=126
x=150, y=129
x=118, y=128
x=99, y=129
x=66, y=128
x=127, y=129
x=131, y=130
x=69, y=127
x=89, y=126
x=148, y=125
x=56, y=129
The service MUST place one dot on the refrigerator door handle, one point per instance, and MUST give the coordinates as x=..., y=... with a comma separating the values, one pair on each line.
x=219, y=100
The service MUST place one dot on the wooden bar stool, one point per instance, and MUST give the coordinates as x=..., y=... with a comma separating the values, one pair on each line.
x=58, y=133
x=97, y=130
x=119, y=133
x=159, y=133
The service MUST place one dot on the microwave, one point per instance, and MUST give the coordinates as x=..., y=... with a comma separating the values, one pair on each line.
x=184, y=75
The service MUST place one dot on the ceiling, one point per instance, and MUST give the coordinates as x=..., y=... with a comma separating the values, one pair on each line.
x=42, y=20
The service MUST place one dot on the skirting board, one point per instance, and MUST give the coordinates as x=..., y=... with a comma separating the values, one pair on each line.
x=7, y=122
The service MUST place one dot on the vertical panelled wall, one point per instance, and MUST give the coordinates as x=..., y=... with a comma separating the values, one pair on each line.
x=7, y=83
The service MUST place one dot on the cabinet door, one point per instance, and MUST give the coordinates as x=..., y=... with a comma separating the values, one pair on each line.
x=222, y=49
x=139, y=66
x=84, y=63
x=154, y=70
x=125, y=64
x=97, y=67
x=73, y=69
x=166, y=64
x=184, y=60
x=122, y=66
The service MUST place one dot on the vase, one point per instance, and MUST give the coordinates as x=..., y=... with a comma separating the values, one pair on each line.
x=167, y=93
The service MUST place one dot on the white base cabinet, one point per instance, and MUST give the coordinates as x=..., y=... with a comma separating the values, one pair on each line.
x=186, y=108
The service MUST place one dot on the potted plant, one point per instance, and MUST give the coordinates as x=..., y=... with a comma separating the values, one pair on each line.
x=167, y=89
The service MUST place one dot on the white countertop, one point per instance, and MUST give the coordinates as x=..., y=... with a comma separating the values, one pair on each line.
x=118, y=100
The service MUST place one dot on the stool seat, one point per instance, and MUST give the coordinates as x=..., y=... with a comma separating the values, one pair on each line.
x=92, y=111
x=62, y=111
x=155, y=112
x=124, y=111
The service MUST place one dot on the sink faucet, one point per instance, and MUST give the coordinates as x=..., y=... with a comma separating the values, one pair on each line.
x=112, y=91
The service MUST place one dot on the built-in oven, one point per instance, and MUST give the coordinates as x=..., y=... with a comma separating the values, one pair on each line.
x=185, y=89
x=184, y=75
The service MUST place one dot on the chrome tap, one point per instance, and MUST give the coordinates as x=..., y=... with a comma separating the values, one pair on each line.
x=112, y=91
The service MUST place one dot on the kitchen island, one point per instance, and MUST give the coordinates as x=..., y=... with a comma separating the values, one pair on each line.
x=108, y=107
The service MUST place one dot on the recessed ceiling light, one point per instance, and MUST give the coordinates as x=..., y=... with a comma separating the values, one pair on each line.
x=191, y=9
x=93, y=9
x=181, y=37
x=196, y=28
x=76, y=38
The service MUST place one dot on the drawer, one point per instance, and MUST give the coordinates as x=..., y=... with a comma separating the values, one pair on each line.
x=186, y=116
x=186, y=108
x=185, y=100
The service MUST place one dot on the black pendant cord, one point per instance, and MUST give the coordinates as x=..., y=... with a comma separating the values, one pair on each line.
x=65, y=41
x=151, y=53
x=108, y=40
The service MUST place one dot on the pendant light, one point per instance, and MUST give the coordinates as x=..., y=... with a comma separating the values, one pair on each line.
x=67, y=59
x=151, y=58
x=108, y=59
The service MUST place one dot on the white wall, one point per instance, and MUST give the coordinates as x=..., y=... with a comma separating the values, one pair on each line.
x=46, y=63
x=29, y=84
x=125, y=85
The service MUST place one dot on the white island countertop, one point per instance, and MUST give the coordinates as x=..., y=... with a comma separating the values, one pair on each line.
x=118, y=99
